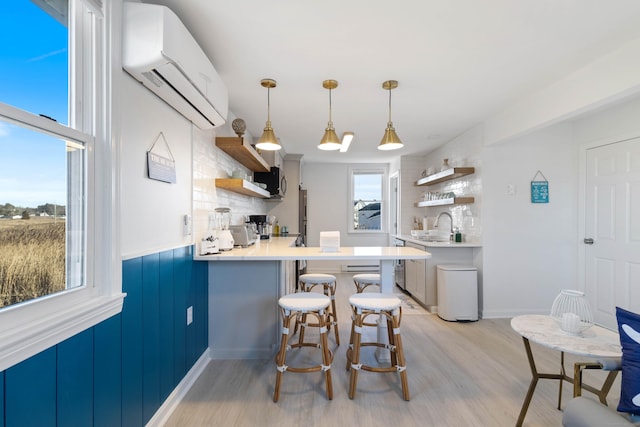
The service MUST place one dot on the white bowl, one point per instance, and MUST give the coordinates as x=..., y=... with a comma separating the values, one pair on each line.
x=416, y=234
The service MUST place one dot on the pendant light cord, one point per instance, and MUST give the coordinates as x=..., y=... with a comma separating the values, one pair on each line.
x=389, y=105
x=269, y=104
x=330, y=121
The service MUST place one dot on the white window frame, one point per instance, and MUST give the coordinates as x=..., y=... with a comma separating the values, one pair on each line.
x=363, y=169
x=33, y=326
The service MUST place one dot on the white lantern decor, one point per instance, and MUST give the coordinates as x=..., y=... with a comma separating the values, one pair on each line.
x=572, y=312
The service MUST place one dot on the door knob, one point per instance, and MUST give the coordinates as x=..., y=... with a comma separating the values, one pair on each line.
x=588, y=241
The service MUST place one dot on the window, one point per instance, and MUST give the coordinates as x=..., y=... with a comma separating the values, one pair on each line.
x=57, y=205
x=34, y=230
x=367, y=189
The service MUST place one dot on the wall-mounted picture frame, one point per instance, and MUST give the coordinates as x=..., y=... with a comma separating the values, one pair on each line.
x=161, y=168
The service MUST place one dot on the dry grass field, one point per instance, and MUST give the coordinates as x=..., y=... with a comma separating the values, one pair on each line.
x=32, y=258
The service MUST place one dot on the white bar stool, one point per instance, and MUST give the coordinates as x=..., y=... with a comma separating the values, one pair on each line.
x=304, y=303
x=386, y=306
x=328, y=282
x=364, y=280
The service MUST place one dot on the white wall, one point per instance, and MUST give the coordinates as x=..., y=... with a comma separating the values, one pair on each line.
x=619, y=121
x=152, y=211
x=529, y=250
x=532, y=251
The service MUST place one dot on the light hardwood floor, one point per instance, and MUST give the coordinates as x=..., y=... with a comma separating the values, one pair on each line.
x=460, y=374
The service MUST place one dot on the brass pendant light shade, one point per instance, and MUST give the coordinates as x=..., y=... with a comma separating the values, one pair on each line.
x=390, y=140
x=268, y=140
x=329, y=141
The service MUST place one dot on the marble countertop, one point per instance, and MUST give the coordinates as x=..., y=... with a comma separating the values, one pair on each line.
x=447, y=244
x=595, y=342
x=282, y=248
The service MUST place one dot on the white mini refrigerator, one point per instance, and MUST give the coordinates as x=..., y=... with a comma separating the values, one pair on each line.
x=457, y=292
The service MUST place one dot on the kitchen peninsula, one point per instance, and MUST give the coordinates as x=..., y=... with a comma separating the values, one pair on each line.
x=245, y=284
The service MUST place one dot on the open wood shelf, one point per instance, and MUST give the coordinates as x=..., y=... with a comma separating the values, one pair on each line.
x=444, y=202
x=241, y=186
x=243, y=152
x=446, y=175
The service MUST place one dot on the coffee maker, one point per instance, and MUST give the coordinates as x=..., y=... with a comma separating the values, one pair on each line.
x=262, y=225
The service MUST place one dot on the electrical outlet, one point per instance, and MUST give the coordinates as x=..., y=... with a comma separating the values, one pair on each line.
x=189, y=315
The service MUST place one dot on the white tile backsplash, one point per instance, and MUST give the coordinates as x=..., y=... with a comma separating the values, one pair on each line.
x=462, y=151
x=209, y=163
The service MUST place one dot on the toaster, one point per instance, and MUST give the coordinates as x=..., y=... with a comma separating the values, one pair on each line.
x=243, y=235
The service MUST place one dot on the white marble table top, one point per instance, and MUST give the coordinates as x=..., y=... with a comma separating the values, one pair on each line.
x=595, y=342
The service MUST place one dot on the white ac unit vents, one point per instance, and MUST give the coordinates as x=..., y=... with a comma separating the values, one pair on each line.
x=159, y=51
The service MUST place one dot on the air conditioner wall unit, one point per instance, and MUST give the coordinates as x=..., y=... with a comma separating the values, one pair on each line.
x=159, y=52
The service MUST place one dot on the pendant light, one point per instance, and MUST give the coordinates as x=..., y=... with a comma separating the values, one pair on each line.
x=390, y=140
x=330, y=140
x=268, y=140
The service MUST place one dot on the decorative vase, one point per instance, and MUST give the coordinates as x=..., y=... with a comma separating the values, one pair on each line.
x=445, y=165
x=239, y=126
x=572, y=312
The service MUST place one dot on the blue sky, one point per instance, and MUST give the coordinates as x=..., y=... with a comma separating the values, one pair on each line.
x=33, y=77
x=367, y=187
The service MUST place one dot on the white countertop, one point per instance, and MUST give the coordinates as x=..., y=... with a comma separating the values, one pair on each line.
x=437, y=244
x=282, y=248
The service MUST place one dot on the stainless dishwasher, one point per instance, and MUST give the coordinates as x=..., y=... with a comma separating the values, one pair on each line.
x=398, y=267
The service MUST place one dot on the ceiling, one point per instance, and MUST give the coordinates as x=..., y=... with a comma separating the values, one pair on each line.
x=457, y=62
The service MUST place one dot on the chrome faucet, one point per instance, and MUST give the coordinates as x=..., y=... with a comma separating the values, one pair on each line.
x=435, y=224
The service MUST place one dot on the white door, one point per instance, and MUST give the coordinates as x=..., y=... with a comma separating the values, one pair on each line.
x=612, y=229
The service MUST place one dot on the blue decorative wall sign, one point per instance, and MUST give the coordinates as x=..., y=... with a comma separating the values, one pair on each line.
x=539, y=189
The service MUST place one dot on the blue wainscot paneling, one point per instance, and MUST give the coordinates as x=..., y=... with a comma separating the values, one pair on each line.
x=122, y=370
x=1, y=399
x=75, y=380
x=107, y=374
x=30, y=391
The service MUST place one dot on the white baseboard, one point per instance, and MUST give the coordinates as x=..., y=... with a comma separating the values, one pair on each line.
x=502, y=314
x=164, y=412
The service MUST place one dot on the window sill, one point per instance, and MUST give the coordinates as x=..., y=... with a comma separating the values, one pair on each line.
x=21, y=340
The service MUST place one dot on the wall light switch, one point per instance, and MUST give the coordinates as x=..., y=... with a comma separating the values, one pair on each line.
x=511, y=189
x=186, y=225
x=189, y=315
